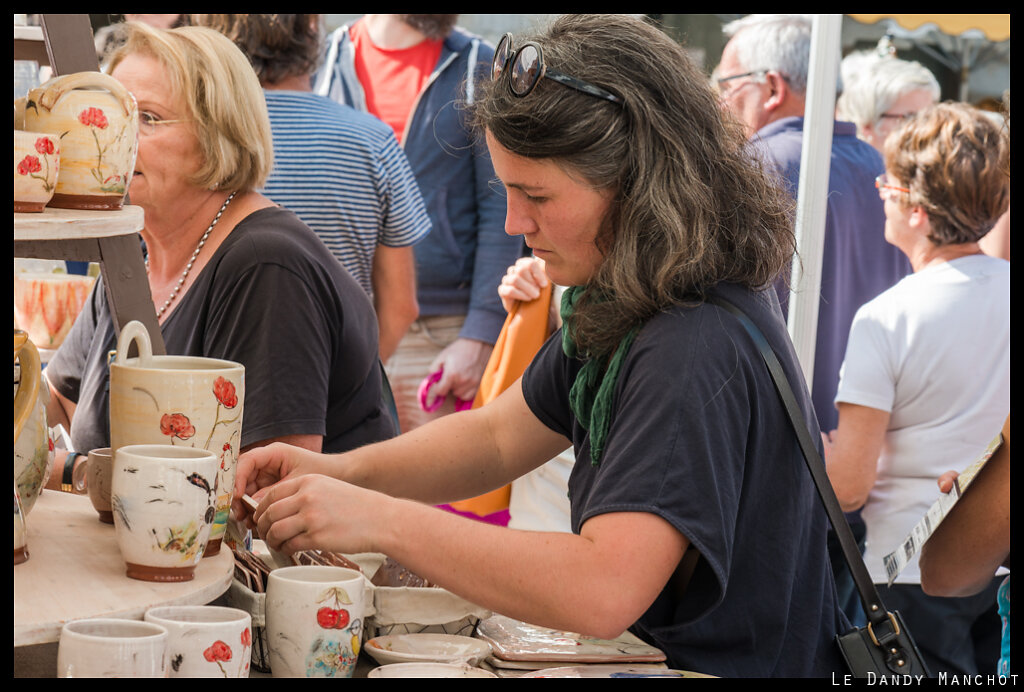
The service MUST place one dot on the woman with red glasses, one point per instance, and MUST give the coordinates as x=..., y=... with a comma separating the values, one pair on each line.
x=925, y=385
x=696, y=524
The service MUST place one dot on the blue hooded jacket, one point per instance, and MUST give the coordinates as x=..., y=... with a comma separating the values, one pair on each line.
x=459, y=265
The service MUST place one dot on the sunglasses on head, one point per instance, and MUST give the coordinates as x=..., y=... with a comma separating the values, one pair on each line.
x=526, y=68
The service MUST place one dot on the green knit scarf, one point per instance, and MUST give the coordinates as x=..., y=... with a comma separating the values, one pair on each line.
x=594, y=388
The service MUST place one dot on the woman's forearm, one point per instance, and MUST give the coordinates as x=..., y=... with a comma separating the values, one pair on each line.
x=962, y=555
x=597, y=583
x=852, y=451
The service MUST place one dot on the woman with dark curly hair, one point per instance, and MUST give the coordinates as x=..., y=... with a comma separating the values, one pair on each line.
x=696, y=524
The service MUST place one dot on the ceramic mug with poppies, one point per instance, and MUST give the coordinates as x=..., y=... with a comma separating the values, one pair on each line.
x=98, y=124
x=163, y=500
x=315, y=617
x=36, y=165
x=183, y=401
x=205, y=641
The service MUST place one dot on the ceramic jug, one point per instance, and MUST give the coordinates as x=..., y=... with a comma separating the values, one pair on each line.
x=97, y=120
x=179, y=400
x=33, y=448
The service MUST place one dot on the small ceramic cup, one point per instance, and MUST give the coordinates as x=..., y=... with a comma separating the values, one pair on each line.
x=205, y=641
x=36, y=165
x=315, y=617
x=98, y=476
x=163, y=501
x=112, y=648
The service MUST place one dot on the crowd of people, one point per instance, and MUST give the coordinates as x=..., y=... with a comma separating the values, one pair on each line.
x=373, y=201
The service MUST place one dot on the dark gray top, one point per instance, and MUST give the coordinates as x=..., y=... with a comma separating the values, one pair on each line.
x=274, y=299
x=699, y=437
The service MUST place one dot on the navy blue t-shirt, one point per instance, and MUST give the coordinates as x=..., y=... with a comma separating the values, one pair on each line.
x=699, y=438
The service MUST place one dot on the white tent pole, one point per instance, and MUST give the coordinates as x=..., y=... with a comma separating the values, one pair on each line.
x=819, y=115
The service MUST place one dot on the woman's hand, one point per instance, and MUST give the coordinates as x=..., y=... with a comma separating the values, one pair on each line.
x=312, y=511
x=522, y=281
x=262, y=467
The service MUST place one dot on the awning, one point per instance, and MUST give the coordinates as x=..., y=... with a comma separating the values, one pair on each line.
x=995, y=27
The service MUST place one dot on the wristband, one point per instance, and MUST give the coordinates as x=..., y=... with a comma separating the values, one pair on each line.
x=67, y=483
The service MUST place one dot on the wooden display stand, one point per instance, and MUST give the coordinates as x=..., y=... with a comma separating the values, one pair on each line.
x=65, y=43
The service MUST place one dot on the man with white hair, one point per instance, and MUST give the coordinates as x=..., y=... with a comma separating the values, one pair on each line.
x=762, y=81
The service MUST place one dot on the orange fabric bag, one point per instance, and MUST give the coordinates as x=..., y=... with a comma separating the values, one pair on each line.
x=524, y=332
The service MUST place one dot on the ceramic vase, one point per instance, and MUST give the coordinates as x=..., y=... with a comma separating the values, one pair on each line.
x=205, y=641
x=36, y=168
x=181, y=401
x=46, y=305
x=99, y=471
x=33, y=447
x=315, y=617
x=112, y=648
x=163, y=504
x=97, y=121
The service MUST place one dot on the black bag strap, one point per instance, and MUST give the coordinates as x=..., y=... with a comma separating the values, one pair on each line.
x=872, y=603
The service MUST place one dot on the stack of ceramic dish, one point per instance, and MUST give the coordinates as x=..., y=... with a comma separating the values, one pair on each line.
x=523, y=650
x=426, y=654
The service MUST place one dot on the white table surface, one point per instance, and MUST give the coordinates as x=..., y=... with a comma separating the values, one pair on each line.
x=75, y=571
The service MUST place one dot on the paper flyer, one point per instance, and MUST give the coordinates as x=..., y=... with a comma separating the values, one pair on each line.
x=898, y=559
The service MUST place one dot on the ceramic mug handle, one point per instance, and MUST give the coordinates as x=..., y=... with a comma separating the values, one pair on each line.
x=28, y=389
x=134, y=331
x=84, y=80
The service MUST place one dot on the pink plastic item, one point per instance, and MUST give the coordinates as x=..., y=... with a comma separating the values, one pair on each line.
x=428, y=382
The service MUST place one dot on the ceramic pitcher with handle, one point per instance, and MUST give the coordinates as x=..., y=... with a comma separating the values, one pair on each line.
x=33, y=448
x=179, y=400
x=97, y=120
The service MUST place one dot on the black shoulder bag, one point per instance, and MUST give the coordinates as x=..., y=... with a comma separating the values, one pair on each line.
x=884, y=647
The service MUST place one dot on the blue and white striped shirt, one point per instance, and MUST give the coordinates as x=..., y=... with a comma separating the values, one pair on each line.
x=343, y=173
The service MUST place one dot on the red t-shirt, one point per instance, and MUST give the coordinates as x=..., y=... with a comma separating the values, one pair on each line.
x=392, y=79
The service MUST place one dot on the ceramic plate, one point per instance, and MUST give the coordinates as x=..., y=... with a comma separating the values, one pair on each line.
x=513, y=640
x=428, y=670
x=612, y=671
x=425, y=647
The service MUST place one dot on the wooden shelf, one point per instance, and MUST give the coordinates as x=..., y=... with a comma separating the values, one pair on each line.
x=64, y=224
x=65, y=43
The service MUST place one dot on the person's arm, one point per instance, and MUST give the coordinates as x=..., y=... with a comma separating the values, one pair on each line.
x=394, y=295
x=451, y=458
x=59, y=409
x=852, y=451
x=608, y=575
x=962, y=555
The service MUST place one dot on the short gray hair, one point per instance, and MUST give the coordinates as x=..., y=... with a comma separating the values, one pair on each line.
x=872, y=84
x=778, y=42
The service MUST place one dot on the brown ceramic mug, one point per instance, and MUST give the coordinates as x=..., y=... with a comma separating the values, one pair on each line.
x=99, y=467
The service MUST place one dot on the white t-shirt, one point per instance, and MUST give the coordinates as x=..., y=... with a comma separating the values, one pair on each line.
x=934, y=351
